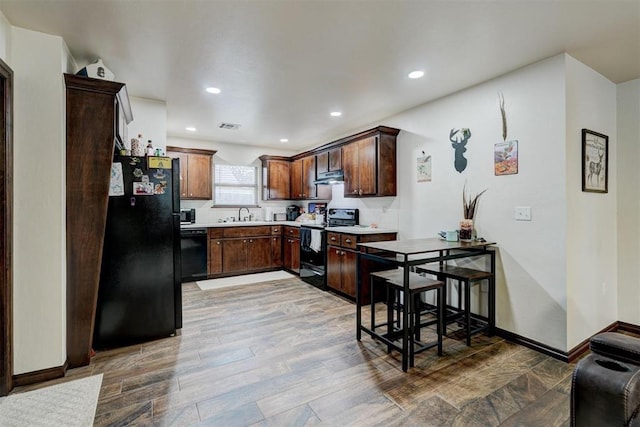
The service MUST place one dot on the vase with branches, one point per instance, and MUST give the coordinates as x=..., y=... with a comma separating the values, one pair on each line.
x=469, y=208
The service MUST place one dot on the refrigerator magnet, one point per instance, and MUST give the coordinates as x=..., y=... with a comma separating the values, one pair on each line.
x=159, y=162
x=159, y=188
x=145, y=178
x=134, y=161
x=143, y=189
x=116, y=184
x=159, y=174
x=137, y=172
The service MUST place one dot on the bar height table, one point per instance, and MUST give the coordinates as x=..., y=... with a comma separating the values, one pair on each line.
x=412, y=252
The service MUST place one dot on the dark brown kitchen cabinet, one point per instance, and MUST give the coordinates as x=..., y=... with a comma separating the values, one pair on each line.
x=369, y=166
x=276, y=178
x=243, y=249
x=342, y=262
x=329, y=161
x=195, y=172
x=291, y=249
x=246, y=254
x=276, y=246
x=215, y=256
x=303, y=174
x=92, y=110
x=341, y=270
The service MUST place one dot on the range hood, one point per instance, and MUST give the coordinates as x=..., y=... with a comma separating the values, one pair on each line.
x=328, y=178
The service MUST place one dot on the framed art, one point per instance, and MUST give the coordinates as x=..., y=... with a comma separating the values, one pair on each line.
x=505, y=158
x=595, y=160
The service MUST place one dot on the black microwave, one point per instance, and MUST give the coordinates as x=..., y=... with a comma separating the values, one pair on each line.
x=187, y=216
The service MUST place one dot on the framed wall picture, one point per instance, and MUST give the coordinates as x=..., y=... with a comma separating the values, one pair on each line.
x=505, y=158
x=595, y=160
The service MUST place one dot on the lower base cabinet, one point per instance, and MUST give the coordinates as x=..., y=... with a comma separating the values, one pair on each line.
x=237, y=250
x=342, y=263
x=291, y=257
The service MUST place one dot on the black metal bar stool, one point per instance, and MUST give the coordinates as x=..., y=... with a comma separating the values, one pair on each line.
x=467, y=277
x=393, y=280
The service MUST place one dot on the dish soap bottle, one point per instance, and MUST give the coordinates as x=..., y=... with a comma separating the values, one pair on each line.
x=149, y=148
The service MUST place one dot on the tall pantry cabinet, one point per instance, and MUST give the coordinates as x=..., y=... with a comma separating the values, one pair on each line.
x=95, y=113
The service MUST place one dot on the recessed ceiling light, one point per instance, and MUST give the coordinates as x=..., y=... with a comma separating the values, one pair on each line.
x=336, y=114
x=190, y=128
x=284, y=140
x=213, y=90
x=416, y=74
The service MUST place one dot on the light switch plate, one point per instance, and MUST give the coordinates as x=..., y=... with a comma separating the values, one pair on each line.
x=522, y=213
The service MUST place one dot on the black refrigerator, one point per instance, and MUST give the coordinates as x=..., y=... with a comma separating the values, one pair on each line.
x=140, y=295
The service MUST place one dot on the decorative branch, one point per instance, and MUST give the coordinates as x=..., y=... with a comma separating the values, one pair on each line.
x=469, y=205
x=504, y=116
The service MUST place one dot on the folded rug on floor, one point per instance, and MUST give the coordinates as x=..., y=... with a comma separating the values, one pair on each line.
x=245, y=279
x=67, y=404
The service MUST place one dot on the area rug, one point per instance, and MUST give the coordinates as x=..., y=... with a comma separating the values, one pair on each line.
x=67, y=404
x=246, y=279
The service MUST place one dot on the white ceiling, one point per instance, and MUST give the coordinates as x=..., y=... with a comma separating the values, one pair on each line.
x=283, y=66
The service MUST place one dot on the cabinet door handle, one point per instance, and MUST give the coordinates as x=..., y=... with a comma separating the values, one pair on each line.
x=217, y=243
x=360, y=192
x=276, y=230
x=333, y=239
x=251, y=241
x=244, y=241
x=355, y=191
x=348, y=240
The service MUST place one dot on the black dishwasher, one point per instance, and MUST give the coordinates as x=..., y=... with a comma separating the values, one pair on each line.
x=194, y=254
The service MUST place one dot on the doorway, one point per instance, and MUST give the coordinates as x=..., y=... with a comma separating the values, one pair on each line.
x=6, y=225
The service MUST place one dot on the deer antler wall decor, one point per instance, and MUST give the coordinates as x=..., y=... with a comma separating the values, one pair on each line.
x=459, y=142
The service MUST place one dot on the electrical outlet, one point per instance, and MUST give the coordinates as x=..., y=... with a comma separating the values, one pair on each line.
x=522, y=213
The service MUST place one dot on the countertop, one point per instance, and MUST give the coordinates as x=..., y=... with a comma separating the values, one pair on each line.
x=356, y=229
x=359, y=229
x=238, y=224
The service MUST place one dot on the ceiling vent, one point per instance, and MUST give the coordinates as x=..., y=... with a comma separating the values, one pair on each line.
x=231, y=126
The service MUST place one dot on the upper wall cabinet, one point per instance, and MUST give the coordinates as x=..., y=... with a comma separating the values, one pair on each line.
x=329, y=161
x=303, y=174
x=195, y=172
x=276, y=178
x=369, y=164
x=368, y=160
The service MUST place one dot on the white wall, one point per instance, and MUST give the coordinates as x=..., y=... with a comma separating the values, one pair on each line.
x=150, y=120
x=628, y=183
x=531, y=288
x=235, y=154
x=5, y=39
x=38, y=61
x=591, y=217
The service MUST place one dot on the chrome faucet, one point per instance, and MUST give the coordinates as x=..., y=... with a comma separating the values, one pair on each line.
x=240, y=210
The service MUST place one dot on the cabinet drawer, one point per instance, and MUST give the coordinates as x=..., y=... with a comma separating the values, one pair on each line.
x=216, y=233
x=276, y=230
x=247, y=231
x=333, y=239
x=349, y=241
x=292, y=232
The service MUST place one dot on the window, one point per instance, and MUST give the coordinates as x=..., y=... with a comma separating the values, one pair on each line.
x=235, y=185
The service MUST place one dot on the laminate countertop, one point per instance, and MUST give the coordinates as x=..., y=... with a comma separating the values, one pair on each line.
x=360, y=229
x=238, y=224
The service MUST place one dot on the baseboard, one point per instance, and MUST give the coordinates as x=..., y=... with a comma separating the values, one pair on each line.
x=40, y=376
x=577, y=351
x=565, y=356
x=532, y=344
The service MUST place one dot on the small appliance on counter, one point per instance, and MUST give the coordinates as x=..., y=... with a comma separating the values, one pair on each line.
x=293, y=212
x=187, y=216
x=275, y=213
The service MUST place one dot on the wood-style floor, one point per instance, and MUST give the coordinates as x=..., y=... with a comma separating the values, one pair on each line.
x=285, y=354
